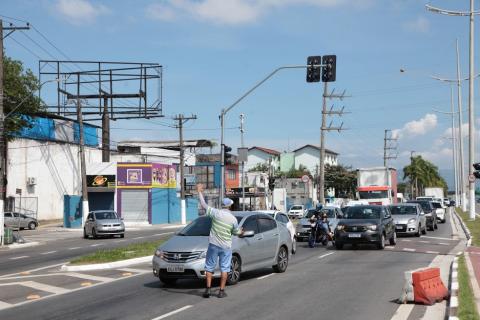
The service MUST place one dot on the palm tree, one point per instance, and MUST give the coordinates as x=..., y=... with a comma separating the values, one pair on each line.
x=422, y=174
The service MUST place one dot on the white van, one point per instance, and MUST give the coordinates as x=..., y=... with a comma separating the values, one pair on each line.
x=296, y=211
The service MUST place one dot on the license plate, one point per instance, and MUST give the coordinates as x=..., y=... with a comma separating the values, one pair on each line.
x=399, y=227
x=354, y=235
x=175, y=268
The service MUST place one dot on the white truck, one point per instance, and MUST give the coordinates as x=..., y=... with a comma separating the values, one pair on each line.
x=437, y=196
x=377, y=185
x=434, y=192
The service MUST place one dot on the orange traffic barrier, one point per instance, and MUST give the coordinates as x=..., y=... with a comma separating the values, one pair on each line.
x=428, y=287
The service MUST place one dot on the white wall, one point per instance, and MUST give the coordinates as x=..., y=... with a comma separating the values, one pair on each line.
x=256, y=156
x=309, y=157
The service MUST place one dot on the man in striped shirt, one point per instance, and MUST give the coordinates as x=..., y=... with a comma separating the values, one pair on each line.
x=224, y=226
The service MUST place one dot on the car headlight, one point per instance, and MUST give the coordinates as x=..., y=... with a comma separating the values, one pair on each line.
x=340, y=227
x=159, y=254
x=372, y=227
x=413, y=220
x=203, y=255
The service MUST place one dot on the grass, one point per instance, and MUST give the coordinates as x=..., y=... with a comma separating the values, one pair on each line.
x=466, y=304
x=473, y=226
x=131, y=251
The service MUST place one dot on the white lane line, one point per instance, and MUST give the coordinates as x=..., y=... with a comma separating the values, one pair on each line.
x=389, y=248
x=120, y=240
x=74, y=248
x=443, y=244
x=96, y=245
x=172, y=313
x=21, y=257
x=4, y=305
x=409, y=249
x=161, y=234
x=49, y=252
x=407, y=240
x=432, y=252
x=439, y=238
x=138, y=238
x=423, y=241
x=44, y=287
x=33, y=270
x=403, y=312
x=325, y=255
x=88, y=277
x=135, y=270
x=266, y=276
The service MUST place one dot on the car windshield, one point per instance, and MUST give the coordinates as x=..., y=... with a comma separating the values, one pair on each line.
x=436, y=205
x=310, y=213
x=360, y=212
x=425, y=205
x=377, y=194
x=330, y=212
x=398, y=210
x=199, y=227
x=105, y=215
x=296, y=208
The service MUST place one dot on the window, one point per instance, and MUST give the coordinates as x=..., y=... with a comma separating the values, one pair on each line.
x=15, y=214
x=282, y=218
x=266, y=224
x=7, y=215
x=250, y=224
x=232, y=174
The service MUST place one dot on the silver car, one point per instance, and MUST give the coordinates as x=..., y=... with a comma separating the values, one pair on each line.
x=15, y=220
x=265, y=243
x=304, y=227
x=409, y=219
x=103, y=223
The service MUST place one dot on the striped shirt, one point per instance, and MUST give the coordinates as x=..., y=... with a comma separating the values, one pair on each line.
x=224, y=225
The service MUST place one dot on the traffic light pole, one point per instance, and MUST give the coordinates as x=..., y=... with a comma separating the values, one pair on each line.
x=226, y=110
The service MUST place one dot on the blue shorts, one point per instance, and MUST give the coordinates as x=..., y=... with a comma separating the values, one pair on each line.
x=215, y=253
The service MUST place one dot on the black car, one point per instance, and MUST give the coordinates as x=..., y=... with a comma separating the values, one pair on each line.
x=366, y=224
x=430, y=213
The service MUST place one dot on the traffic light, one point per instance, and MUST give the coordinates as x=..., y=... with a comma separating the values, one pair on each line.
x=227, y=156
x=329, y=71
x=476, y=173
x=271, y=183
x=313, y=73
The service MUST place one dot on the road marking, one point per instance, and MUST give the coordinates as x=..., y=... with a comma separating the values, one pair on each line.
x=126, y=274
x=120, y=240
x=33, y=297
x=161, y=234
x=4, y=305
x=407, y=240
x=266, y=276
x=443, y=244
x=439, y=238
x=134, y=270
x=138, y=238
x=172, y=313
x=33, y=270
x=403, y=312
x=88, y=277
x=409, y=249
x=96, y=245
x=43, y=287
x=325, y=255
x=25, y=273
x=86, y=284
x=49, y=252
x=21, y=257
x=423, y=241
x=389, y=248
x=432, y=252
x=74, y=248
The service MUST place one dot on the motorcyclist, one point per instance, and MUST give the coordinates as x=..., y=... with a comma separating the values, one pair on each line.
x=325, y=224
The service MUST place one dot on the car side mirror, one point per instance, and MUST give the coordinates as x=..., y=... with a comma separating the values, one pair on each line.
x=247, y=234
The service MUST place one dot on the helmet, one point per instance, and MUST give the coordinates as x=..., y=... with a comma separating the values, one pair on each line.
x=324, y=215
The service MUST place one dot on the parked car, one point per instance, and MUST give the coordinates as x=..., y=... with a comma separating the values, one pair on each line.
x=409, y=219
x=265, y=243
x=440, y=210
x=364, y=224
x=296, y=211
x=15, y=220
x=283, y=218
x=103, y=223
x=430, y=213
x=303, y=228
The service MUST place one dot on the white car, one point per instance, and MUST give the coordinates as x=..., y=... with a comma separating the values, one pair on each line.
x=296, y=211
x=283, y=218
x=440, y=210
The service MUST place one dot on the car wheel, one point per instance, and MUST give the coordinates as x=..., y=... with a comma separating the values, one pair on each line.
x=282, y=260
x=94, y=234
x=168, y=281
x=393, y=239
x=419, y=229
x=338, y=245
x=294, y=245
x=235, y=269
x=32, y=225
x=381, y=243
x=85, y=235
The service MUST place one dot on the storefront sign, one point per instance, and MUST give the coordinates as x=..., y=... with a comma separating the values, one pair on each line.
x=101, y=181
x=163, y=176
x=134, y=175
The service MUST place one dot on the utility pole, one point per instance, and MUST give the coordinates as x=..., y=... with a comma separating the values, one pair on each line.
x=3, y=141
x=411, y=180
x=388, y=146
x=471, y=112
x=454, y=144
x=242, y=131
x=460, y=133
x=105, y=132
x=181, y=121
x=323, y=129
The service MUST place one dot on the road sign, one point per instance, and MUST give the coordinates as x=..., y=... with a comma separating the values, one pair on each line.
x=471, y=178
x=18, y=191
x=305, y=178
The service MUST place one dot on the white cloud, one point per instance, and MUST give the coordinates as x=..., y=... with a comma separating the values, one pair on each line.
x=421, y=24
x=416, y=127
x=79, y=11
x=233, y=12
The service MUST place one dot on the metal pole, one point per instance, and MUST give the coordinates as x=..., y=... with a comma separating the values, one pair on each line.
x=385, y=149
x=471, y=116
x=321, y=185
x=411, y=180
x=454, y=144
x=83, y=169
x=2, y=141
x=242, y=118
x=105, y=132
x=222, y=158
x=183, y=213
x=460, y=133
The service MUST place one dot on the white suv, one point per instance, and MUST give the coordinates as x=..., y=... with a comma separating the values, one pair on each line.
x=296, y=211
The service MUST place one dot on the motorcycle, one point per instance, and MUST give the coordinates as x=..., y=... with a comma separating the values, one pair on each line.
x=318, y=234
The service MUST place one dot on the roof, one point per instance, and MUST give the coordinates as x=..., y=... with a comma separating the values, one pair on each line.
x=315, y=147
x=266, y=150
x=171, y=144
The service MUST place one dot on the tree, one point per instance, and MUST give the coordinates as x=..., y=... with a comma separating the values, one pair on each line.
x=342, y=178
x=297, y=173
x=422, y=174
x=259, y=167
x=19, y=87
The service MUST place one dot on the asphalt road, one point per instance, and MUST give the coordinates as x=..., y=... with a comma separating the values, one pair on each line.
x=319, y=283
x=51, y=252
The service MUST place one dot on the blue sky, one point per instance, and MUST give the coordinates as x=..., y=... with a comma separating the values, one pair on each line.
x=214, y=50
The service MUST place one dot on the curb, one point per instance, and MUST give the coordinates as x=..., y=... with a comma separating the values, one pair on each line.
x=465, y=229
x=21, y=245
x=453, y=300
x=104, y=266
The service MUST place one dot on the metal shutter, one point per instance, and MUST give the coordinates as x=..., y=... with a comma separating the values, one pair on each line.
x=135, y=205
